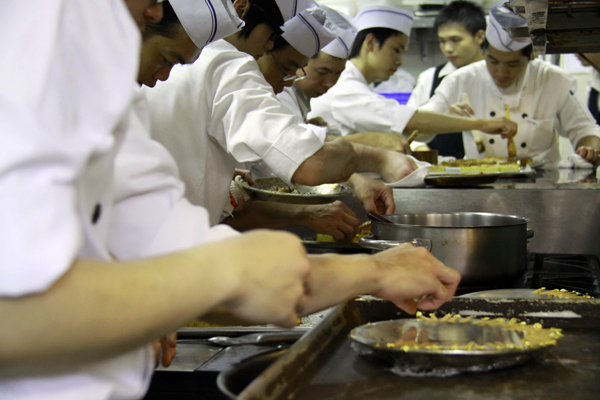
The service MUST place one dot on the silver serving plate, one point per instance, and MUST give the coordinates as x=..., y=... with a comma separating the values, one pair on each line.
x=321, y=194
x=373, y=339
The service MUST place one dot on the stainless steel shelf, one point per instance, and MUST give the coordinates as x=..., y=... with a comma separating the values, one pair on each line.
x=559, y=26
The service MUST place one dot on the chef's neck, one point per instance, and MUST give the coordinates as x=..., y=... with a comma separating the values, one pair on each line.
x=368, y=73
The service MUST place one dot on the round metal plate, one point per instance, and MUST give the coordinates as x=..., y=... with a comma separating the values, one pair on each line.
x=321, y=194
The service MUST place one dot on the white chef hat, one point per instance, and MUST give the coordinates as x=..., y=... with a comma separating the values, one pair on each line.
x=291, y=8
x=500, y=17
x=207, y=20
x=385, y=17
x=340, y=47
x=309, y=31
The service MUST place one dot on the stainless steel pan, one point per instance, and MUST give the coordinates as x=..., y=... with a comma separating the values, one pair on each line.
x=485, y=248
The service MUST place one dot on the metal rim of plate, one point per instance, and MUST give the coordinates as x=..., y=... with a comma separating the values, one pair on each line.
x=439, y=362
x=321, y=194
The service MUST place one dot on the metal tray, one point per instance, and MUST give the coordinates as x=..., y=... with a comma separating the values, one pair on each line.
x=321, y=194
x=455, y=180
x=323, y=365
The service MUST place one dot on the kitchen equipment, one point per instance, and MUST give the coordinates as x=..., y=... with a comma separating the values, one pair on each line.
x=323, y=365
x=523, y=293
x=376, y=217
x=235, y=379
x=458, y=180
x=485, y=248
x=321, y=194
x=459, y=346
x=252, y=338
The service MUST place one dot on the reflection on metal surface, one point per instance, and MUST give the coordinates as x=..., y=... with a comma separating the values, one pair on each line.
x=559, y=26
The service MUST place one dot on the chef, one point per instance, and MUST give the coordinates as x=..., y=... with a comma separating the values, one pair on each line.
x=63, y=120
x=460, y=27
x=322, y=72
x=207, y=116
x=593, y=98
x=352, y=107
x=539, y=96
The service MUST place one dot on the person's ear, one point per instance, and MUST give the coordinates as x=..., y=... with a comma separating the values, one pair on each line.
x=479, y=36
x=371, y=42
x=241, y=7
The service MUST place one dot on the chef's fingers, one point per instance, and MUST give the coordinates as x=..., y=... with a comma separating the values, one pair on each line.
x=408, y=305
x=168, y=344
x=588, y=153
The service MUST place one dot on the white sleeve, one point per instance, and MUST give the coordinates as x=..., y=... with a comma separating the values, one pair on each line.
x=289, y=100
x=257, y=125
x=359, y=109
x=421, y=92
x=574, y=119
x=152, y=217
x=59, y=104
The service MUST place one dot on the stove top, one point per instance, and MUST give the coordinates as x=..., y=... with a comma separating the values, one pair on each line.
x=573, y=272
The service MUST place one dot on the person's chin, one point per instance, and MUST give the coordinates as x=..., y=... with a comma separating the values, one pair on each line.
x=150, y=84
x=502, y=84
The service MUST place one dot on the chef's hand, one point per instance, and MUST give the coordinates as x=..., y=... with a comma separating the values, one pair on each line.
x=334, y=219
x=167, y=343
x=269, y=275
x=375, y=196
x=499, y=125
x=461, y=110
x=414, y=279
x=588, y=153
x=395, y=166
x=245, y=174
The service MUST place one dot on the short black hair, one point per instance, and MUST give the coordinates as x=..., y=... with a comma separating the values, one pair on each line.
x=526, y=51
x=262, y=12
x=463, y=12
x=168, y=25
x=381, y=35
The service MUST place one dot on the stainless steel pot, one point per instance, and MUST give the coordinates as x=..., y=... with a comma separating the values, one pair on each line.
x=487, y=249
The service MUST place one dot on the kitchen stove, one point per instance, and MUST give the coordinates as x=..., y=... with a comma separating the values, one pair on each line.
x=580, y=273
x=573, y=272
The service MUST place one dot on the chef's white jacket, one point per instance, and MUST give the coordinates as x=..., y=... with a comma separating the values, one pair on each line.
x=352, y=107
x=295, y=101
x=220, y=111
x=68, y=68
x=545, y=104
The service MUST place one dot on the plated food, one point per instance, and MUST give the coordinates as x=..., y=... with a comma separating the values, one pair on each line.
x=274, y=189
x=363, y=230
x=453, y=344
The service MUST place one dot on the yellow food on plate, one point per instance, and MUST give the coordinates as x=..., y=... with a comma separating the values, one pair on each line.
x=364, y=230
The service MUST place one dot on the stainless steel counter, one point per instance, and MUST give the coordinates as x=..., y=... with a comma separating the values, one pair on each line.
x=563, y=207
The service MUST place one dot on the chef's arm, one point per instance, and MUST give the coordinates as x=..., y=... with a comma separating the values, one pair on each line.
x=338, y=159
x=97, y=310
x=399, y=275
x=388, y=141
x=334, y=219
x=430, y=122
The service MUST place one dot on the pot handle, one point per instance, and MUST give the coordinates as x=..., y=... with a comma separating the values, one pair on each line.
x=530, y=233
x=370, y=243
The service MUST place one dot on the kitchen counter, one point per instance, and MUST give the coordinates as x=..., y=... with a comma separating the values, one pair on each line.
x=563, y=206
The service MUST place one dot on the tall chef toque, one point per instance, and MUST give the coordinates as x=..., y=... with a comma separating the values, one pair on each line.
x=207, y=20
x=309, y=31
x=500, y=18
x=340, y=47
x=394, y=18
